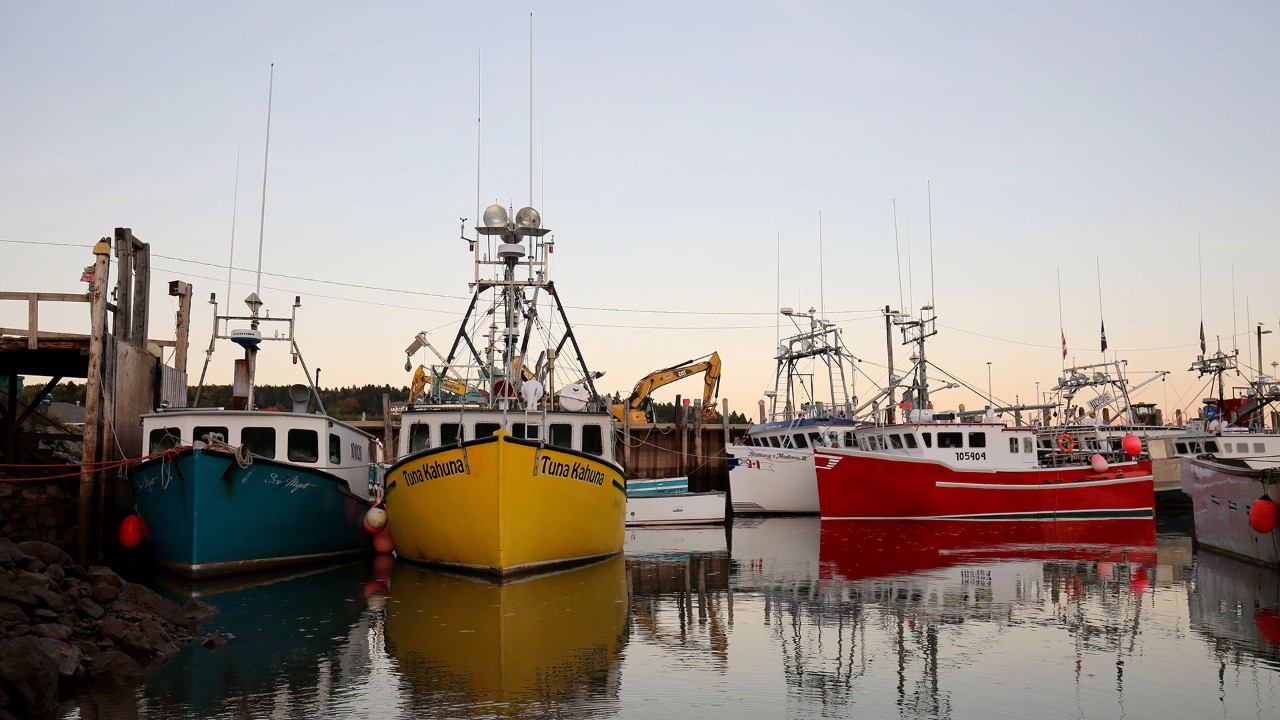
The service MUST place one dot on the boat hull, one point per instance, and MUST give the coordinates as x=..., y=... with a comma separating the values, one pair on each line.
x=772, y=481
x=207, y=515
x=500, y=506
x=863, y=486
x=676, y=509
x=1221, y=496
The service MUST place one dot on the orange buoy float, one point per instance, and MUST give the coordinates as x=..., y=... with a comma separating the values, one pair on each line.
x=1262, y=515
x=382, y=542
x=131, y=531
x=1066, y=443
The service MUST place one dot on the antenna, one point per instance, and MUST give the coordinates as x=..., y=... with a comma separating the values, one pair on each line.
x=479, y=99
x=897, y=252
x=235, y=199
x=1097, y=264
x=933, y=297
x=822, y=293
x=266, y=153
x=530, y=108
x=1234, y=330
x=1060, y=327
x=911, y=283
x=777, y=294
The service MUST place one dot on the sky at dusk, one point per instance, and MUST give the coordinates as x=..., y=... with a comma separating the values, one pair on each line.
x=700, y=164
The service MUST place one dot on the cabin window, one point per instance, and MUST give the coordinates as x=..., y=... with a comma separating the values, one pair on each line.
x=164, y=438
x=304, y=445
x=1211, y=446
x=800, y=441
x=450, y=434
x=896, y=440
x=815, y=439
x=419, y=437
x=1028, y=445
x=335, y=450
x=774, y=442
x=592, y=440
x=1259, y=448
x=1180, y=448
x=525, y=431
x=950, y=440
x=484, y=430
x=1242, y=447
x=977, y=439
x=261, y=441
x=928, y=439
x=561, y=435
x=1013, y=445
x=881, y=443
x=848, y=439
x=910, y=440
x=209, y=434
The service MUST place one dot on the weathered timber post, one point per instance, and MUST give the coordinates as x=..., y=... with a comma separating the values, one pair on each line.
x=183, y=292
x=699, y=459
x=626, y=436
x=680, y=430
x=93, y=397
x=388, y=439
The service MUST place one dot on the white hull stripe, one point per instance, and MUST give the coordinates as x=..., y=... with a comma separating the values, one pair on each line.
x=1067, y=485
x=1091, y=514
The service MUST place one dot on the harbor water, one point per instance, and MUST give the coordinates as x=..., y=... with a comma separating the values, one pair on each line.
x=786, y=617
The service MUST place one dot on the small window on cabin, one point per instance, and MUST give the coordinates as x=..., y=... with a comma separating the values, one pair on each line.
x=1013, y=445
x=896, y=440
x=1211, y=446
x=524, y=431
x=848, y=439
x=880, y=442
x=1196, y=448
x=950, y=440
x=1180, y=448
x=304, y=445
x=928, y=439
x=261, y=441
x=561, y=435
x=210, y=433
x=815, y=439
x=910, y=440
x=419, y=437
x=800, y=441
x=977, y=439
x=335, y=449
x=484, y=430
x=1242, y=447
x=592, y=440
x=774, y=442
x=1259, y=448
x=450, y=433
x=163, y=439
x=1028, y=445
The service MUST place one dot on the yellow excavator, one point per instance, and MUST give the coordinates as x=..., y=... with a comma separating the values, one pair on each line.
x=639, y=397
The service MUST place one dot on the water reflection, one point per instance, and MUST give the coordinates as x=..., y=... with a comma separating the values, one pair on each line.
x=1233, y=606
x=544, y=646
x=679, y=579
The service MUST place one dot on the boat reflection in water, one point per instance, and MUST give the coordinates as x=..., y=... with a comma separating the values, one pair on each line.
x=1235, y=606
x=542, y=646
x=679, y=580
x=296, y=646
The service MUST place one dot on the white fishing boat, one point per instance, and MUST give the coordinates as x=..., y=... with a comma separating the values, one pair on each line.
x=667, y=501
x=771, y=469
x=507, y=465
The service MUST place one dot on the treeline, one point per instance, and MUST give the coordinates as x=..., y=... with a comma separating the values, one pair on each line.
x=344, y=403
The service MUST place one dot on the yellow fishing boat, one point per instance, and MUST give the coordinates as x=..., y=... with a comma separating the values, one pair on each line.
x=501, y=471
x=535, y=646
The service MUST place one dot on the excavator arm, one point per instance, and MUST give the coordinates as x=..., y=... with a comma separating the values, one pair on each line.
x=666, y=376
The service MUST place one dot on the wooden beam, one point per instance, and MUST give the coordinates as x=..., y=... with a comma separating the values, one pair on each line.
x=123, y=324
x=33, y=322
x=45, y=296
x=141, y=292
x=92, y=399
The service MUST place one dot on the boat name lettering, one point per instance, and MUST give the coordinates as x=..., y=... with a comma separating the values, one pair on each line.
x=292, y=482
x=970, y=455
x=575, y=471
x=435, y=471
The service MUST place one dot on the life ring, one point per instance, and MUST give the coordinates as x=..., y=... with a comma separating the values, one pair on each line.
x=1066, y=443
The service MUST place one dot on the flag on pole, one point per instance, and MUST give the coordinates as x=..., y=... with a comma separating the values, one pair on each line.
x=1064, y=344
x=1104, y=336
x=1201, y=337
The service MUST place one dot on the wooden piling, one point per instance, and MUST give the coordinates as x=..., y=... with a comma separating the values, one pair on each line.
x=93, y=399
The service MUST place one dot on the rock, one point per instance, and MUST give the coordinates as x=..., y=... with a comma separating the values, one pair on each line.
x=213, y=642
x=11, y=614
x=89, y=608
x=16, y=594
x=55, y=631
x=52, y=600
x=104, y=584
x=142, y=599
x=46, y=553
x=29, y=675
x=113, y=629
x=197, y=611
x=56, y=572
x=114, y=665
x=65, y=655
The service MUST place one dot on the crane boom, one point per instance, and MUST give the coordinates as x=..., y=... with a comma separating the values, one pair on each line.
x=654, y=380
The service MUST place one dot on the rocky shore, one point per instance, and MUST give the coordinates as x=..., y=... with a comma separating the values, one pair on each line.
x=63, y=627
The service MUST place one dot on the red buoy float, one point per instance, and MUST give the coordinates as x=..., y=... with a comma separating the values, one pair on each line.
x=131, y=531
x=1132, y=444
x=382, y=542
x=1268, y=621
x=1262, y=515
